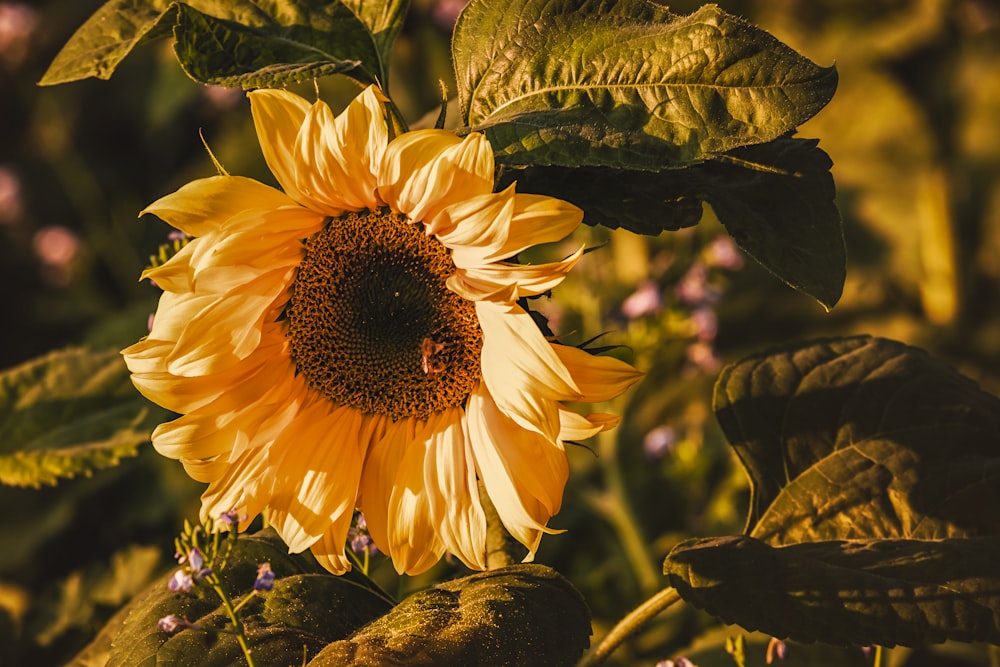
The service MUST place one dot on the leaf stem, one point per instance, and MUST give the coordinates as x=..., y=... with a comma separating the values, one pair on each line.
x=241, y=639
x=502, y=550
x=628, y=625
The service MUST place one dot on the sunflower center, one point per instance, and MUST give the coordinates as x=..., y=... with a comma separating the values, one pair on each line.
x=372, y=324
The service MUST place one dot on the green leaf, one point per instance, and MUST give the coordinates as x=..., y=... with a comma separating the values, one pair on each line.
x=863, y=592
x=103, y=41
x=307, y=609
x=625, y=84
x=73, y=411
x=281, y=43
x=775, y=199
x=862, y=438
x=384, y=19
x=522, y=615
x=236, y=42
x=777, y=202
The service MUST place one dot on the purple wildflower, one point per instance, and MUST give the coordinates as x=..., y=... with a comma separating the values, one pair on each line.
x=659, y=442
x=722, y=253
x=181, y=581
x=645, y=300
x=776, y=649
x=265, y=578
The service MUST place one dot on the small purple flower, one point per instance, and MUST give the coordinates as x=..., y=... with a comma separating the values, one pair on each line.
x=694, y=288
x=181, y=581
x=645, y=300
x=705, y=323
x=358, y=535
x=722, y=253
x=169, y=623
x=265, y=578
x=659, y=442
x=679, y=662
x=701, y=355
x=228, y=519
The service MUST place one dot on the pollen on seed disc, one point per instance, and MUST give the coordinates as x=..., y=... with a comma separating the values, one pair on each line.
x=372, y=324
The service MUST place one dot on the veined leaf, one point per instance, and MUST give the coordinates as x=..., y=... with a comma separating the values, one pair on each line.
x=882, y=592
x=862, y=438
x=103, y=41
x=625, y=84
x=521, y=615
x=70, y=412
x=775, y=199
x=874, y=470
x=231, y=42
x=384, y=19
x=271, y=52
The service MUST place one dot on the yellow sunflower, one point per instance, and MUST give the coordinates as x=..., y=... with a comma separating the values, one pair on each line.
x=355, y=341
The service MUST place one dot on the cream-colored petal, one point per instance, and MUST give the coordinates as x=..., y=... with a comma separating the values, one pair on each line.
x=575, y=427
x=426, y=170
x=413, y=540
x=599, y=378
x=378, y=477
x=339, y=157
x=329, y=549
x=524, y=474
x=205, y=204
x=222, y=334
x=535, y=219
x=450, y=478
x=174, y=275
x=522, y=372
x=476, y=227
x=484, y=282
x=278, y=116
x=241, y=486
x=316, y=462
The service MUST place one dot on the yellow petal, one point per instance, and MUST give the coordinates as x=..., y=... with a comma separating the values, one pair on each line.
x=523, y=373
x=449, y=478
x=574, y=427
x=476, y=227
x=599, y=378
x=205, y=204
x=278, y=116
x=426, y=170
x=316, y=464
x=378, y=476
x=413, y=540
x=338, y=157
x=329, y=549
x=485, y=281
x=524, y=474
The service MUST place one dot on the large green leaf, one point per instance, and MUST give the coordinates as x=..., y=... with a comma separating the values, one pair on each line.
x=861, y=438
x=626, y=84
x=523, y=615
x=384, y=19
x=307, y=609
x=873, y=472
x=231, y=42
x=73, y=411
x=103, y=41
x=290, y=43
x=860, y=592
x=776, y=200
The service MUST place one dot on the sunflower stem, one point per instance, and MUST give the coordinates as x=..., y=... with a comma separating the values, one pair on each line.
x=635, y=619
x=502, y=550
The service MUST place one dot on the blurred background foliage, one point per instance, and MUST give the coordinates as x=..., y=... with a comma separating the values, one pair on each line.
x=914, y=135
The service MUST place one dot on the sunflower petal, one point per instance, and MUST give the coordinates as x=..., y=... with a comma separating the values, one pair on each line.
x=524, y=474
x=479, y=283
x=523, y=373
x=316, y=463
x=424, y=171
x=574, y=427
x=278, y=116
x=449, y=477
x=205, y=204
x=600, y=378
x=340, y=156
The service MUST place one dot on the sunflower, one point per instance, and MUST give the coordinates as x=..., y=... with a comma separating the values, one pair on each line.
x=354, y=340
